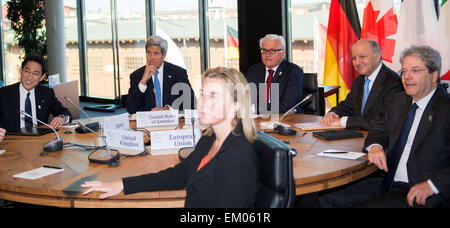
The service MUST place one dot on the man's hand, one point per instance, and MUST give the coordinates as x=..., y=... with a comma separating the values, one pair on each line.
x=57, y=122
x=377, y=156
x=149, y=71
x=2, y=134
x=419, y=193
x=330, y=119
x=165, y=108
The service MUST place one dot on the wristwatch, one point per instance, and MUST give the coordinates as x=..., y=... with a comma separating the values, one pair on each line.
x=66, y=118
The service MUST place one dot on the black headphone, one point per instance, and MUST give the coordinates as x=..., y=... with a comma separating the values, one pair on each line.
x=283, y=130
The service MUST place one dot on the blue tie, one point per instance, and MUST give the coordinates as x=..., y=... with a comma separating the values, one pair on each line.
x=394, y=157
x=28, y=120
x=366, y=94
x=157, y=90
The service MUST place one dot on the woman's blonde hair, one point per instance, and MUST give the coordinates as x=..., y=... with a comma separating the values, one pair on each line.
x=240, y=92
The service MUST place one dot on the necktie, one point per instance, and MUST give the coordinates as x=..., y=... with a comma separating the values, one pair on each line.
x=28, y=120
x=366, y=94
x=157, y=90
x=269, y=82
x=394, y=157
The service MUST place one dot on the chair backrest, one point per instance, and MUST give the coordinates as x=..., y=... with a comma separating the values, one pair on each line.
x=277, y=188
x=310, y=85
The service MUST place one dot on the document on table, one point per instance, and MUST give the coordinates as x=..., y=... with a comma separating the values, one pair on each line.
x=38, y=173
x=331, y=153
x=2, y=151
x=315, y=126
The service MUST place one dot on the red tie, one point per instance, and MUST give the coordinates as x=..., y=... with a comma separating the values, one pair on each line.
x=269, y=82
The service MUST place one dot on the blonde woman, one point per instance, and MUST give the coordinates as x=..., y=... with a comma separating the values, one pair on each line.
x=223, y=169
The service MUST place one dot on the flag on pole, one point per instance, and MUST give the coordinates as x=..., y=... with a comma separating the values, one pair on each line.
x=444, y=35
x=232, y=43
x=343, y=31
x=418, y=25
x=380, y=24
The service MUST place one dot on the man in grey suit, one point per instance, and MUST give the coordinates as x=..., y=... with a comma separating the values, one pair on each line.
x=370, y=92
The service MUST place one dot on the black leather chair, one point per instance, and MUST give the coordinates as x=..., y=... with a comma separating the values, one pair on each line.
x=277, y=188
x=310, y=85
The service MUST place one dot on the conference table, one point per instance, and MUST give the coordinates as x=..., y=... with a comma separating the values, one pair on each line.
x=312, y=173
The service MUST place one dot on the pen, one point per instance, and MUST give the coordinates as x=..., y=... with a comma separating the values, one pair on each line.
x=51, y=167
x=337, y=152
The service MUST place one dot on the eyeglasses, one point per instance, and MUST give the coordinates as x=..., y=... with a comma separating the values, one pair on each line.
x=413, y=71
x=34, y=74
x=271, y=51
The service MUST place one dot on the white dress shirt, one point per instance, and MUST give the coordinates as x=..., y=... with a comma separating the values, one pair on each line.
x=23, y=95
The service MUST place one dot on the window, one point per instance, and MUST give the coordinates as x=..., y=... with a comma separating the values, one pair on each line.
x=178, y=23
x=71, y=36
x=100, y=68
x=223, y=29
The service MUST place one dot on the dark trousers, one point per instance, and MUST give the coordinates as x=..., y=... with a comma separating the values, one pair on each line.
x=365, y=194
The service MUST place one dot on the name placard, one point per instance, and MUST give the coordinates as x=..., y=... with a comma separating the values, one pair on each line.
x=174, y=139
x=116, y=122
x=120, y=139
x=156, y=118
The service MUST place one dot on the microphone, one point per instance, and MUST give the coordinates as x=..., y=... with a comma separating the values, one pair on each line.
x=292, y=110
x=183, y=153
x=50, y=146
x=102, y=156
x=283, y=129
x=83, y=128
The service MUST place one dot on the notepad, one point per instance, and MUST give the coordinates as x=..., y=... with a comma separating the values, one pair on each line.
x=315, y=126
x=348, y=155
x=38, y=173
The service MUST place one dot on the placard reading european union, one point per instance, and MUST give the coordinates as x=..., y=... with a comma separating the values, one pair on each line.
x=174, y=139
x=120, y=139
x=156, y=118
x=116, y=122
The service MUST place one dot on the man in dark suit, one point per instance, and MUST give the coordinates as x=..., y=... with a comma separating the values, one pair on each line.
x=411, y=144
x=146, y=94
x=275, y=72
x=27, y=95
x=370, y=93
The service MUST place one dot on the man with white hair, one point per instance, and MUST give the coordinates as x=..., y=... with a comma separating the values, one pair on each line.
x=275, y=70
x=151, y=85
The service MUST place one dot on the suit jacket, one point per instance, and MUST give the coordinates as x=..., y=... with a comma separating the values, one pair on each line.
x=138, y=101
x=46, y=104
x=229, y=180
x=430, y=152
x=386, y=83
x=290, y=79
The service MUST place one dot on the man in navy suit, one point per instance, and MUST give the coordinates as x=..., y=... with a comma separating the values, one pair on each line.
x=371, y=92
x=411, y=144
x=272, y=72
x=151, y=93
x=27, y=95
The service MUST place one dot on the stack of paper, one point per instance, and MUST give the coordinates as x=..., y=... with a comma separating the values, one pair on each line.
x=331, y=153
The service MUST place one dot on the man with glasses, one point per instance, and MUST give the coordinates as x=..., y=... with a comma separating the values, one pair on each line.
x=370, y=92
x=27, y=95
x=151, y=85
x=275, y=71
x=411, y=145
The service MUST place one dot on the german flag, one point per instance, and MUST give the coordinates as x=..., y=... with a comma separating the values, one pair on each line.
x=232, y=43
x=343, y=31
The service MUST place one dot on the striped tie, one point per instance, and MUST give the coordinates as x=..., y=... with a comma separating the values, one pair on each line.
x=269, y=83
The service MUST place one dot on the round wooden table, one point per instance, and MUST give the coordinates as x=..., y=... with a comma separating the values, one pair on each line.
x=311, y=173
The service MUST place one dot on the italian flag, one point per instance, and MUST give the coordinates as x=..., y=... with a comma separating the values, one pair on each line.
x=343, y=31
x=444, y=35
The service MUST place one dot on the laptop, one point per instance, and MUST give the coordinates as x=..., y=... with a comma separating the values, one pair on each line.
x=31, y=131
